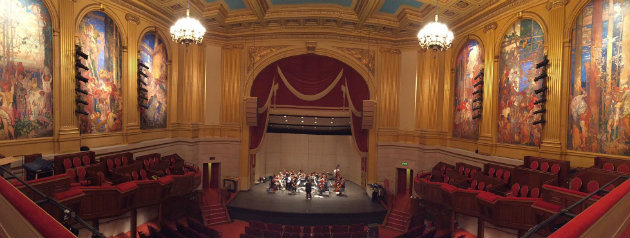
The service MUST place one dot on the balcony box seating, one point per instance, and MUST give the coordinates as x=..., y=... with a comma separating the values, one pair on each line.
x=547, y=206
x=117, y=162
x=524, y=191
x=491, y=172
x=506, y=177
x=75, y=160
x=499, y=173
x=516, y=188
x=591, y=186
x=555, y=169
x=535, y=193
x=533, y=165
x=612, y=164
x=68, y=194
x=576, y=184
x=86, y=160
x=67, y=164
x=544, y=166
x=481, y=186
x=473, y=184
x=609, y=166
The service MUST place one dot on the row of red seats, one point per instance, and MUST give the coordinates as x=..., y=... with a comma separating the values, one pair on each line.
x=523, y=191
x=76, y=162
x=621, y=168
x=259, y=229
x=469, y=173
x=480, y=185
x=591, y=186
x=149, y=164
x=78, y=177
x=116, y=163
x=500, y=174
x=544, y=166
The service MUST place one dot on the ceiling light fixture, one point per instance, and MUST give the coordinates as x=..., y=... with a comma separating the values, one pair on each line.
x=435, y=35
x=187, y=30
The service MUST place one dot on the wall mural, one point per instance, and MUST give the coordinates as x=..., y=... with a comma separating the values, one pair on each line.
x=100, y=39
x=599, y=105
x=469, y=64
x=26, y=101
x=153, y=54
x=521, y=48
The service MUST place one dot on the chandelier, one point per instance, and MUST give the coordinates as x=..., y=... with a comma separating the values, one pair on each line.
x=435, y=35
x=187, y=30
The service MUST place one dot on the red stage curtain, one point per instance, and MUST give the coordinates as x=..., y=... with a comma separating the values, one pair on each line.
x=309, y=74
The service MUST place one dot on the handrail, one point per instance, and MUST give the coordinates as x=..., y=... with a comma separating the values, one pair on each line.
x=566, y=212
x=68, y=214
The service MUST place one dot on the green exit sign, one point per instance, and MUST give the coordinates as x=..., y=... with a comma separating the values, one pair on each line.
x=404, y=163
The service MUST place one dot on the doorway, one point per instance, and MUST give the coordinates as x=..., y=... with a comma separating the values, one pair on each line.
x=404, y=184
x=211, y=175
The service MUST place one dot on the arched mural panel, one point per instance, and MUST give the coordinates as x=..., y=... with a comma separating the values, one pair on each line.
x=26, y=99
x=521, y=48
x=99, y=37
x=153, y=54
x=469, y=63
x=599, y=103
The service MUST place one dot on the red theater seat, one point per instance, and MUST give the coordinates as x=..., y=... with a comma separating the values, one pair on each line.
x=533, y=165
x=555, y=168
x=110, y=165
x=143, y=174
x=524, y=191
x=461, y=170
x=72, y=175
x=491, y=172
x=146, y=164
x=67, y=164
x=446, y=179
x=515, y=189
x=101, y=179
x=442, y=169
x=544, y=166
x=125, y=161
x=321, y=229
x=591, y=186
x=339, y=229
x=359, y=234
x=134, y=175
x=499, y=173
x=473, y=184
x=472, y=173
x=466, y=171
x=609, y=166
x=481, y=186
x=81, y=172
x=623, y=169
x=117, y=162
x=86, y=160
x=488, y=187
x=76, y=162
x=535, y=193
x=506, y=177
x=576, y=184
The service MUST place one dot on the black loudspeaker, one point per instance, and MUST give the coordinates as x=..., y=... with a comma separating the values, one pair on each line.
x=542, y=91
x=79, y=68
x=142, y=92
x=477, y=99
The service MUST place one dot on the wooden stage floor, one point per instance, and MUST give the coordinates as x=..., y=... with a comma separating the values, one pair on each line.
x=286, y=208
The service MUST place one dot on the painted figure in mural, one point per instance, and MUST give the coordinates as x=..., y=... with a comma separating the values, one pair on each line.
x=521, y=49
x=599, y=109
x=469, y=64
x=25, y=76
x=153, y=54
x=99, y=38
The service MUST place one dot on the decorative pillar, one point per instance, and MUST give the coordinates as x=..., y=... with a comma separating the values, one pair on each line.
x=489, y=98
x=66, y=120
x=232, y=66
x=430, y=97
x=131, y=113
x=552, y=129
x=388, y=74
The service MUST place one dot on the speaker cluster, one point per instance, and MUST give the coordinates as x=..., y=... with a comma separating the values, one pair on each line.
x=142, y=91
x=542, y=91
x=477, y=95
x=81, y=93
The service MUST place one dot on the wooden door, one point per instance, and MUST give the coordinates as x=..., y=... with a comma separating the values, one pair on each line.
x=206, y=176
x=401, y=181
x=215, y=169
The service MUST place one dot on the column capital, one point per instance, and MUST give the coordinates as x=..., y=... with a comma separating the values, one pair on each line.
x=132, y=18
x=553, y=4
x=490, y=27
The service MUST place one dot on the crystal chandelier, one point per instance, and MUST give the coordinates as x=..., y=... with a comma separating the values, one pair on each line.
x=435, y=35
x=187, y=30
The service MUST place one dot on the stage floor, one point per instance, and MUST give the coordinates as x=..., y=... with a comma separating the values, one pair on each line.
x=287, y=208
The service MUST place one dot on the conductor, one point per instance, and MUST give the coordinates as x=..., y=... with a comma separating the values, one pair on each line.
x=307, y=189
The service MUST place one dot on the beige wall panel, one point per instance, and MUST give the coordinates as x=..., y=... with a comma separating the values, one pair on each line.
x=407, y=89
x=213, y=85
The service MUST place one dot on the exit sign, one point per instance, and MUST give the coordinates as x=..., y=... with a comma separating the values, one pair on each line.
x=404, y=163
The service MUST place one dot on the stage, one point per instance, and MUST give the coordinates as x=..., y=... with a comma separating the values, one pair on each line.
x=286, y=208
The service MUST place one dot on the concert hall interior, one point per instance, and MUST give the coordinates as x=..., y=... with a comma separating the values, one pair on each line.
x=314, y=118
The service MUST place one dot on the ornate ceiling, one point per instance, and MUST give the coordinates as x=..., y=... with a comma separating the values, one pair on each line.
x=381, y=19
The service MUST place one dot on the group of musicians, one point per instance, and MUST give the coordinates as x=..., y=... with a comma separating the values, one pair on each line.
x=291, y=180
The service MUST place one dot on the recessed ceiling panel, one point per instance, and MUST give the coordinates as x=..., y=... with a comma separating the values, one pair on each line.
x=345, y=3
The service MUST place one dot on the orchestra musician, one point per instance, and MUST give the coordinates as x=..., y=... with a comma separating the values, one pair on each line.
x=341, y=187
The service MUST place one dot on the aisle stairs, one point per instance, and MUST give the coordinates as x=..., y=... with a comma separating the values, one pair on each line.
x=213, y=211
x=399, y=215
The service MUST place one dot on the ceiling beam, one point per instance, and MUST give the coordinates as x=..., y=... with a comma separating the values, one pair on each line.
x=365, y=9
x=258, y=7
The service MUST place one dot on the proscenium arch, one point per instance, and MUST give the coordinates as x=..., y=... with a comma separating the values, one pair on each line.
x=97, y=7
x=512, y=20
x=362, y=70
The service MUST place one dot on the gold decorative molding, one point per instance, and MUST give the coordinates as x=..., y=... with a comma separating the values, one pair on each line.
x=365, y=56
x=132, y=18
x=311, y=46
x=232, y=46
x=490, y=27
x=390, y=51
x=552, y=4
x=257, y=53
